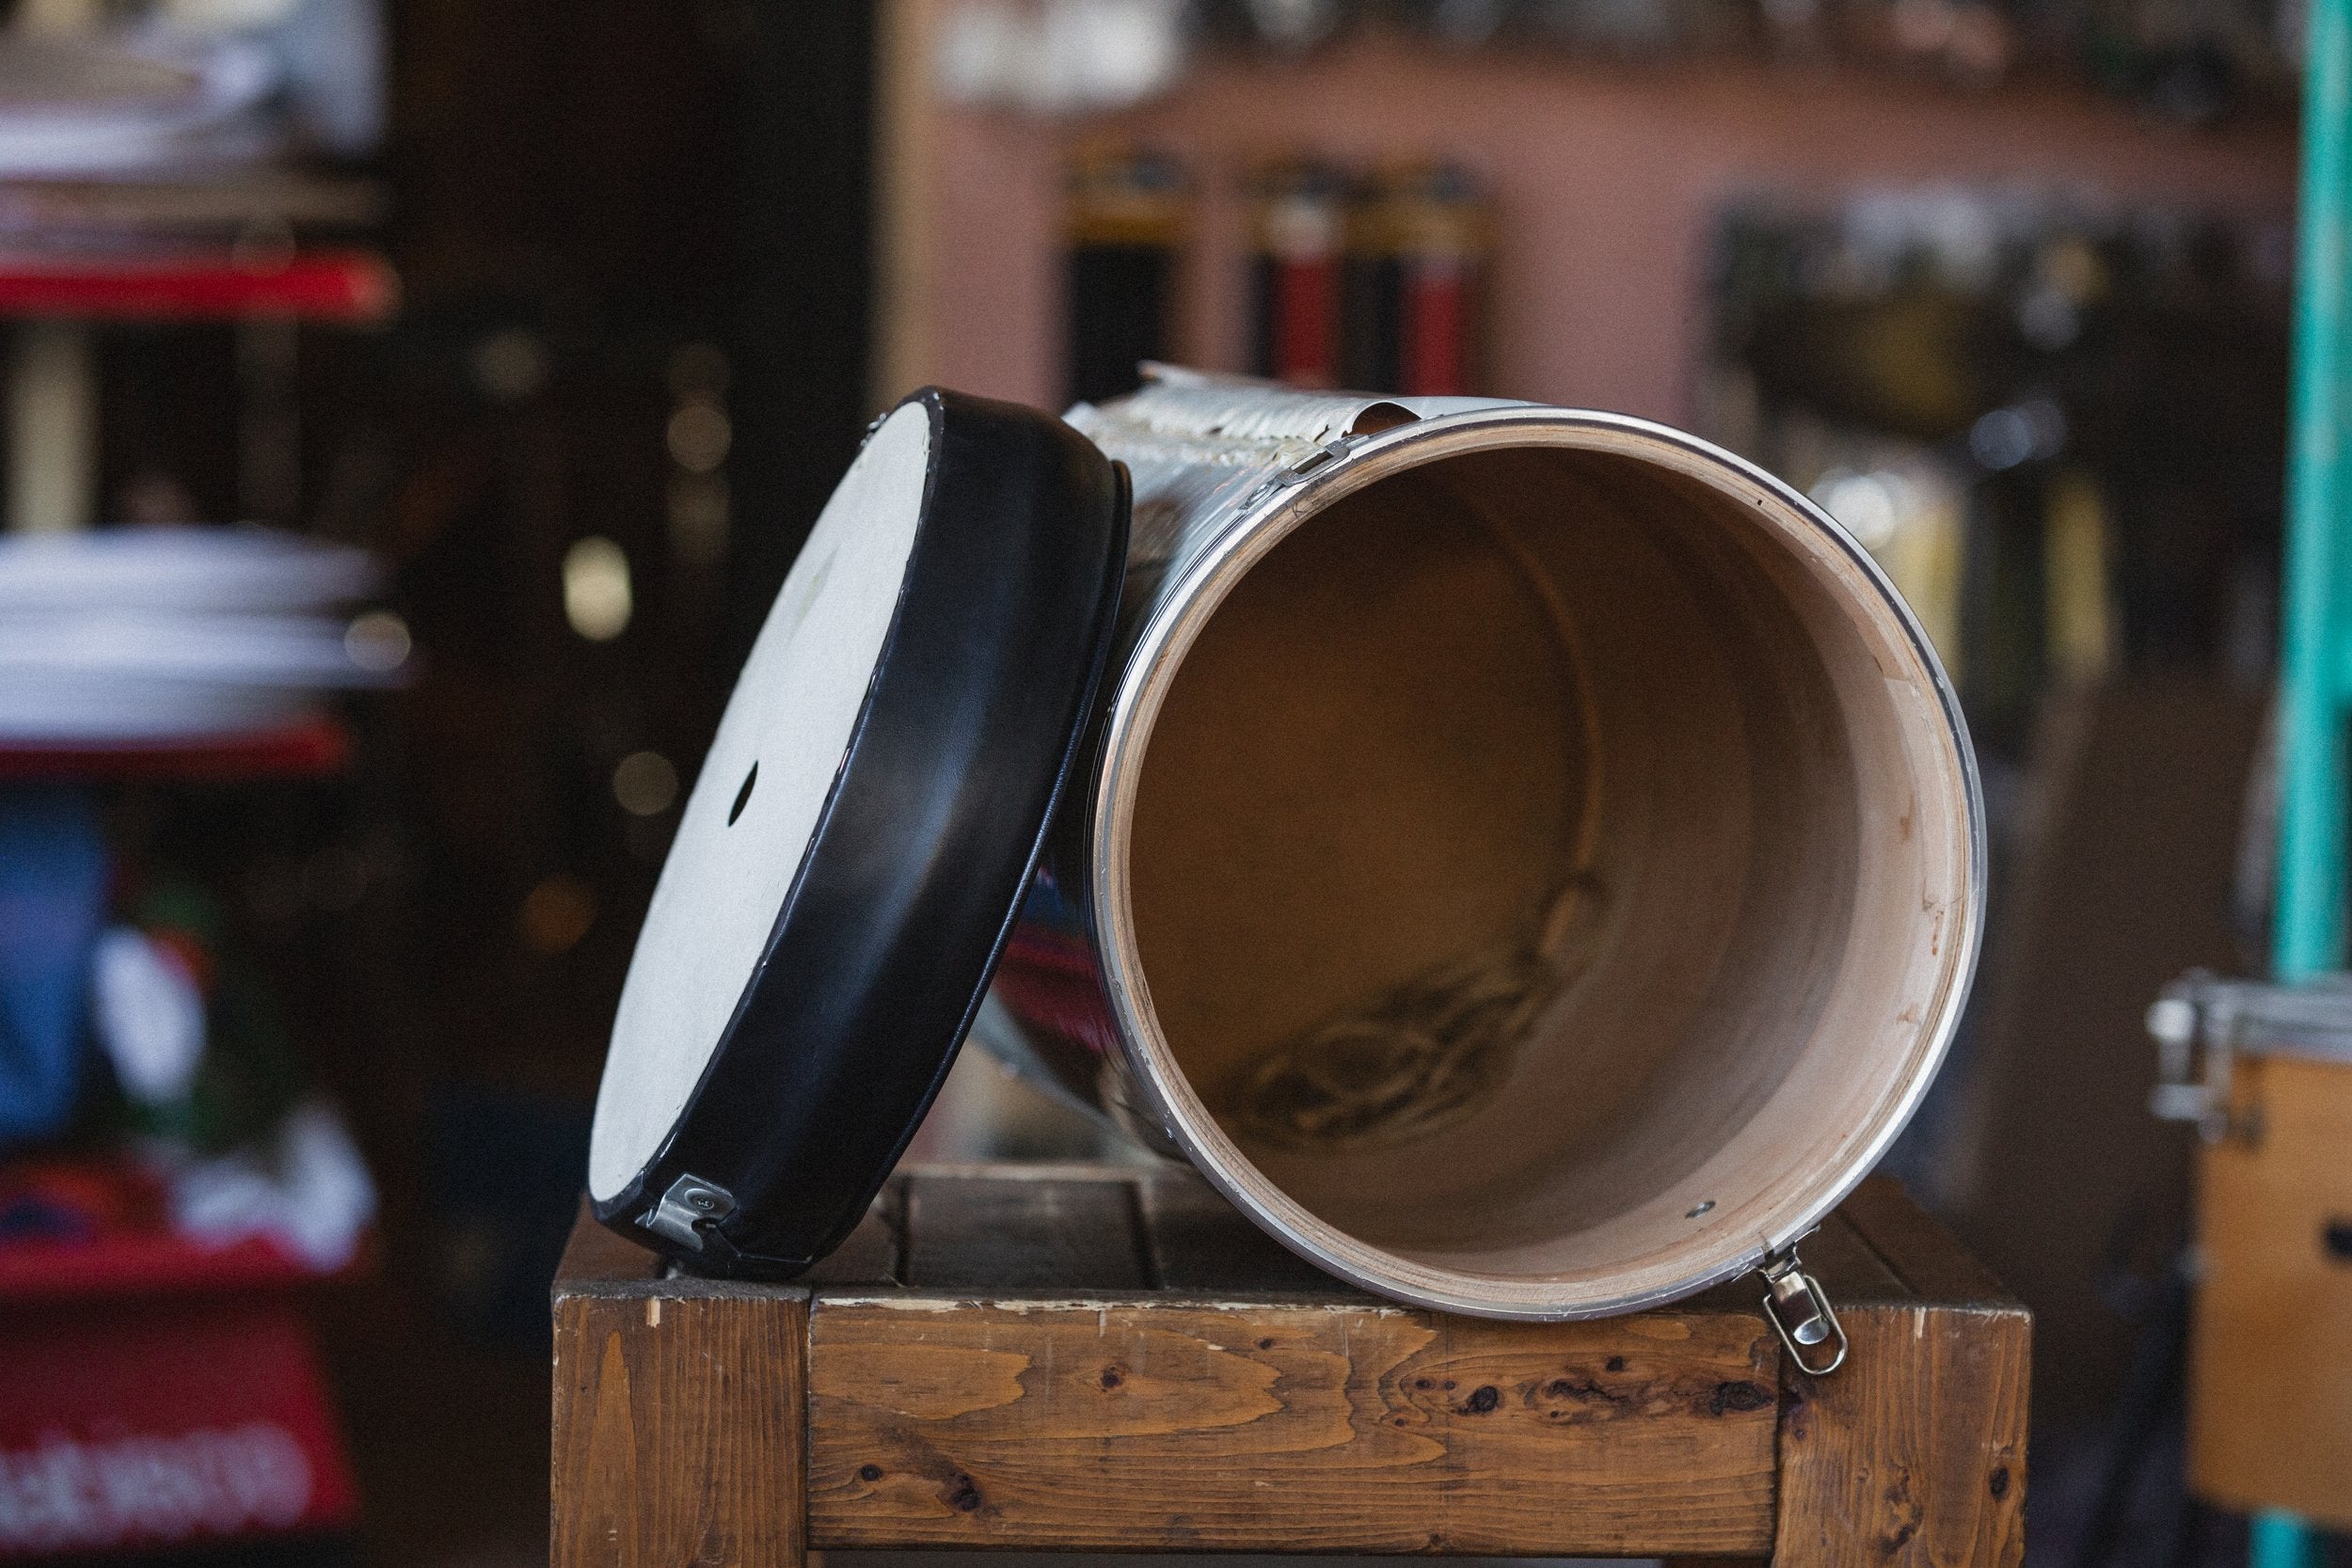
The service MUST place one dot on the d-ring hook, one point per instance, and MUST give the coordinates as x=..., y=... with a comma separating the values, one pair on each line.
x=1801, y=1313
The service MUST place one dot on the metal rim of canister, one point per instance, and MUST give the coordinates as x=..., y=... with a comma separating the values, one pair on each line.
x=1254, y=529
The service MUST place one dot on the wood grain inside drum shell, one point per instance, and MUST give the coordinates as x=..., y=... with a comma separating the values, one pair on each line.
x=1544, y=694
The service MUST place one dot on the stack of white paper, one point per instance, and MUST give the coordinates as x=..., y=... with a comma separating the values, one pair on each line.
x=151, y=103
x=152, y=633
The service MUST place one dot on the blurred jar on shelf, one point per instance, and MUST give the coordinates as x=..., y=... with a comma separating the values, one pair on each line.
x=1298, y=237
x=1128, y=219
x=1413, y=316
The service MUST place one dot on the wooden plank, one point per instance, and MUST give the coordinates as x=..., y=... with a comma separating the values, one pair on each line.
x=1299, y=1427
x=1198, y=1243
x=1339, y=1425
x=1837, y=1255
x=678, y=1427
x=1914, y=1454
x=1019, y=1233
x=1927, y=1256
x=872, y=1255
x=2270, y=1355
x=1035, y=1170
x=592, y=1255
x=1847, y=1266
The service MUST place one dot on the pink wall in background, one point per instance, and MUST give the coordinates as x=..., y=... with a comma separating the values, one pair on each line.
x=1606, y=180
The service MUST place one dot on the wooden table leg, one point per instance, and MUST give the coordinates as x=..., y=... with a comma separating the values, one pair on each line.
x=679, y=1422
x=1914, y=1453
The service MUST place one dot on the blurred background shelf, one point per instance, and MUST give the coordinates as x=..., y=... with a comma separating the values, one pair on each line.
x=65, y=214
x=1607, y=178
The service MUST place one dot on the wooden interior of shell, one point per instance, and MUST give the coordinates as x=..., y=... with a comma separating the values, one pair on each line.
x=1475, y=687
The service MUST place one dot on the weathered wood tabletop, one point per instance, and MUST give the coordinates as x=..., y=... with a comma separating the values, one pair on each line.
x=1106, y=1358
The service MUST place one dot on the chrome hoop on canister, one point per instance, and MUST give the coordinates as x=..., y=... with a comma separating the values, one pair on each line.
x=1530, y=859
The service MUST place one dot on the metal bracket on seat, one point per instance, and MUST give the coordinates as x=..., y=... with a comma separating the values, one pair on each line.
x=688, y=1204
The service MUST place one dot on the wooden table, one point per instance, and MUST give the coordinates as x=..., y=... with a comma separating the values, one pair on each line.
x=1102, y=1359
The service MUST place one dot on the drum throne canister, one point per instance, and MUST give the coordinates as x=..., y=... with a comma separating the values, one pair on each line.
x=1529, y=860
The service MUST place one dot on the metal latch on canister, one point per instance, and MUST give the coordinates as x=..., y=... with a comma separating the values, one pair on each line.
x=1802, y=1314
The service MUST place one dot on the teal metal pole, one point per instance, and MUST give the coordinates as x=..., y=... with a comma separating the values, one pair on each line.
x=2315, y=650
x=2282, y=1539
x=2316, y=637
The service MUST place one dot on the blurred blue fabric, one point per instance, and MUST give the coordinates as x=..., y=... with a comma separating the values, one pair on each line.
x=52, y=902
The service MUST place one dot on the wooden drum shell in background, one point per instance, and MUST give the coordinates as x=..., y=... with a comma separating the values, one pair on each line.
x=1399, y=682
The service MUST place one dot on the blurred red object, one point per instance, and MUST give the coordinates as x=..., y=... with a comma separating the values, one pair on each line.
x=159, y=1391
x=71, y=1229
x=327, y=285
x=312, y=748
x=125, y=1426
